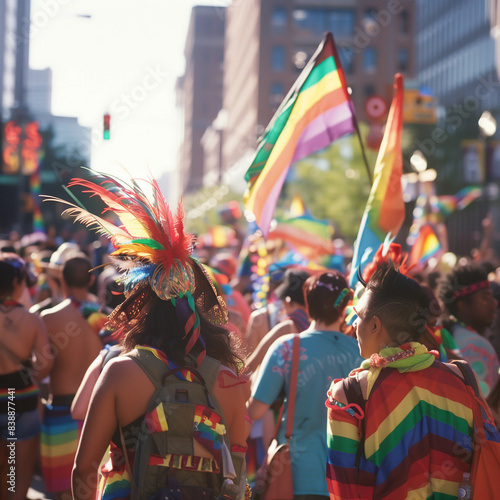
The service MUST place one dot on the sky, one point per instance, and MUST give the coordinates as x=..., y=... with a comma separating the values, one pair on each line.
x=122, y=57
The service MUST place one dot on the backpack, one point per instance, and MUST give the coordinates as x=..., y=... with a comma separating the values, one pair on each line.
x=486, y=459
x=183, y=410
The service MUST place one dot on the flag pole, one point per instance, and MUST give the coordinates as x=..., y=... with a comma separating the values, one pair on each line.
x=363, y=152
x=354, y=118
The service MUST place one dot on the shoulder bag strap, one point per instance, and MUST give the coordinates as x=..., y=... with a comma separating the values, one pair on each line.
x=293, y=386
x=294, y=371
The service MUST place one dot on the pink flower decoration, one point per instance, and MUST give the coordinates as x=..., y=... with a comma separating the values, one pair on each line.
x=377, y=361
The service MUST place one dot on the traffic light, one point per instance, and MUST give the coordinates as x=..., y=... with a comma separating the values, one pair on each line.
x=105, y=133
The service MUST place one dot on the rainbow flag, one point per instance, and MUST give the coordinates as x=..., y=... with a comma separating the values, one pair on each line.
x=447, y=204
x=297, y=207
x=309, y=236
x=156, y=420
x=426, y=246
x=315, y=113
x=218, y=237
x=385, y=210
x=467, y=195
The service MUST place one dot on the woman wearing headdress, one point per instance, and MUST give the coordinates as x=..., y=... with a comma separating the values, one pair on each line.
x=325, y=353
x=171, y=316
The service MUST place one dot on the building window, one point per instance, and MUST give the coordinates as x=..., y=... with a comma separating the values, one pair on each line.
x=370, y=23
x=277, y=94
x=316, y=21
x=278, y=20
x=369, y=90
x=340, y=22
x=278, y=58
x=346, y=55
x=369, y=60
x=405, y=22
x=309, y=20
x=402, y=59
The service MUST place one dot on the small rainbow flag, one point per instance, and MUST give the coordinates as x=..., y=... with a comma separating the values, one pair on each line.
x=467, y=195
x=218, y=237
x=309, y=236
x=447, y=203
x=156, y=420
x=209, y=431
x=385, y=209
x=315, y=113
x=426, y=246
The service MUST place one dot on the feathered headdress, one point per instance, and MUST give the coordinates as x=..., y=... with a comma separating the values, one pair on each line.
x=153, y=250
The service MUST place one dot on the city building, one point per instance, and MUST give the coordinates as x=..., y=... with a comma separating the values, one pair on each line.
x=266, y=46
x=32, y=139
x=269, y=42
x=455, y=45
x=200, y=89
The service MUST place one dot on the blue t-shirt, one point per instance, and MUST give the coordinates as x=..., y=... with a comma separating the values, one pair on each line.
x=324, y=357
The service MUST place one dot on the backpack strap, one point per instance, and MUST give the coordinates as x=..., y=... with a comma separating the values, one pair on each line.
x=354, y=395
x=468, y=375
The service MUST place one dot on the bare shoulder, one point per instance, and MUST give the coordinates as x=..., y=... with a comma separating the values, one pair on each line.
x=30, y=324
x=30, y=319
x=286, y=326
x=120, y=369
x=55, y=314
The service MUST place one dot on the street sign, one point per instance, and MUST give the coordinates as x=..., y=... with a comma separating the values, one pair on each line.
x=375, y=107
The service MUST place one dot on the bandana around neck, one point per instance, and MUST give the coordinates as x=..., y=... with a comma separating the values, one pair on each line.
x=409, y=357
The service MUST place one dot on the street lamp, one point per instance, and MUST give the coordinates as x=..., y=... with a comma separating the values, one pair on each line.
x=418, y=161
x=487, y=124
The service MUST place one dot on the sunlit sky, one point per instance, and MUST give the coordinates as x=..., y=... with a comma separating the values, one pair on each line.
x=121, y=57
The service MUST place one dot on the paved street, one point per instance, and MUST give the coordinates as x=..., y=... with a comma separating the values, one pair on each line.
x=37, y=489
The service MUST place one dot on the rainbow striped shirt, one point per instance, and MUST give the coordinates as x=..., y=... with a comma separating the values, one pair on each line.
x=418, y=437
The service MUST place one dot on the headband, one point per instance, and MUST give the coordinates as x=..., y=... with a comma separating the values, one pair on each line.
x=467, y=290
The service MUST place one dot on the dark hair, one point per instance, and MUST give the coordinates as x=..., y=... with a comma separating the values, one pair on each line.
x=493, y=398
x=11, y=267
x=460, y=277
x=321, y=292
x=76, y=272
x=293, y=282
x=433, y=279
x=161, y=329
x=402, y=305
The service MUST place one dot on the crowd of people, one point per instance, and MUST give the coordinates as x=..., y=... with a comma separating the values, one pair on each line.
x=86, y=344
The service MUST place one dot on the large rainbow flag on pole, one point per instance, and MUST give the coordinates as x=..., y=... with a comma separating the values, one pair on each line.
x=315, y=113
x=385, y=210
